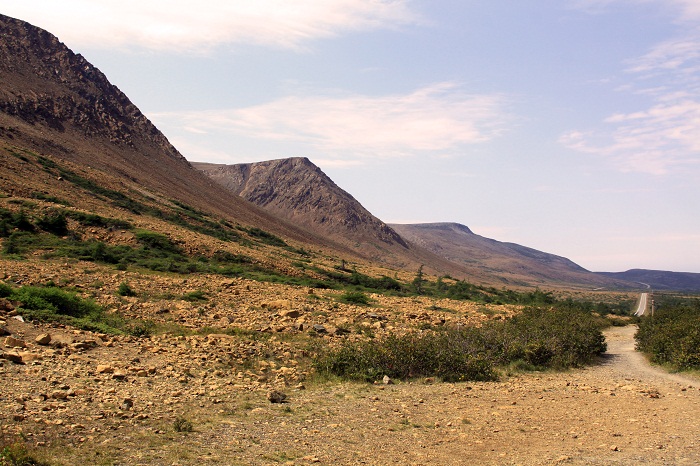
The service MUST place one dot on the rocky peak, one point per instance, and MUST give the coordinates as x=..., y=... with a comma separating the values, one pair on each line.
x=45, y=83
x=296, y=189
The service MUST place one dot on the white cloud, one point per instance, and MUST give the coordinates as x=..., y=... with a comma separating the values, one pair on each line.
x=662, y=136
x=186, y=26
x=662, y=139
x=436, y=119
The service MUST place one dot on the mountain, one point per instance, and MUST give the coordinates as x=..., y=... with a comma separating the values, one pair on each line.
x=660, y=280
x=56, y=105
x=516, y=265
x=297, y=190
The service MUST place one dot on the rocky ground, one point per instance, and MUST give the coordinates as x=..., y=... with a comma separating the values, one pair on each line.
x=194, y=394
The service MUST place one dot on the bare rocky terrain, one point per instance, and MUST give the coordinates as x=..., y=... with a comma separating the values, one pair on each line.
x=84, y=398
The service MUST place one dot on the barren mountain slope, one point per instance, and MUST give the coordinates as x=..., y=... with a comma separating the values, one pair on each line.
x=297, y=190
x=54, y=103
x=517, y=265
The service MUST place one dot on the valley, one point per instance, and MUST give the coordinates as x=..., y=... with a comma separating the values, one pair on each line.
x=159, y=311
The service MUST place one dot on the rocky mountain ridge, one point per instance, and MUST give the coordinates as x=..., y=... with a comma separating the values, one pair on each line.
x=298, y=191
x=515, y=264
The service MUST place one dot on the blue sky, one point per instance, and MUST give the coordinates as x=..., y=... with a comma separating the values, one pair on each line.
x=569, y=126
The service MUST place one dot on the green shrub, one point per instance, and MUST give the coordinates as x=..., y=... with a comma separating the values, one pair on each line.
x=194, y=296
x=52, y=304
x=125, y=290
x=181, y=424
x=5, y=290
x=537, y=338
x=56, y=300
x=672, y=336
x=54, y=223
x=157, y=241
x=354, y=297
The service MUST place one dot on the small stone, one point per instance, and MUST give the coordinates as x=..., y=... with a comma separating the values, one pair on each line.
x=318, y=328
x=13, y=342
x=387, y=380
x=4, y=331
x=119, y=375
x=104, y=369
x=292, y=313
x=12, y=357
x=614, y=448
x=43, y=339
x=29, y=357
x=59, y=395
x=127, y=404
x=275, y=396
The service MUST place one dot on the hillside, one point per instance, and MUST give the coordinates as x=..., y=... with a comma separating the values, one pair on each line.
x=297, y=190
x=56, y=104
x=516, y=265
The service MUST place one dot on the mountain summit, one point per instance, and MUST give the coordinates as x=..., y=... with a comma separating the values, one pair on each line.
x=296, y=189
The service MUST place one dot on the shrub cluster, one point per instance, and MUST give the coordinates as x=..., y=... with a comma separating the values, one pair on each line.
x=672, y=336
x=539, y=338
x=53, y=304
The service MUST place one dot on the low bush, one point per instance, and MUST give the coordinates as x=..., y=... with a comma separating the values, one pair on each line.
x=53, y=304
x=125, y=290
x=17, y=454
x=354, y=297
x=538, y=338
x=672, y=336
x=181, y=424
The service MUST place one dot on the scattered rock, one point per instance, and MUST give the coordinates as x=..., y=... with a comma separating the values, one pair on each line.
x=292, y=313
x=387, y=380
x=43, y=339
x=13, y=342
x=4, y=331
x=277, y=305
x=104, y=369
x=318, y=328
x=12, y=357
x=275, y=396
x=28, y=357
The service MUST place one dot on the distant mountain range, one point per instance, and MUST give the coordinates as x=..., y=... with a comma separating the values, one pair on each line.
x=659, y=280
x=57, y=107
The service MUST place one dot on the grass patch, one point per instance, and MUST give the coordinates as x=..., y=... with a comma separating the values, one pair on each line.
x=355, y=297
x=17, y=454
x=65, y=306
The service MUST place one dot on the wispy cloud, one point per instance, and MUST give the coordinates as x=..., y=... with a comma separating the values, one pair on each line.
x=664, y=137
x=685, y=10
x=186, y=26
x=436, y=119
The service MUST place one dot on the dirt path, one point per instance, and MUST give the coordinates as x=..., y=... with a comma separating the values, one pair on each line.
x=622, y=358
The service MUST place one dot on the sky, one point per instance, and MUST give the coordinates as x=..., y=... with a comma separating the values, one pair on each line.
x=568, y=126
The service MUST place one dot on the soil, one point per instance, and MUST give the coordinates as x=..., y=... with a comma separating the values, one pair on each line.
x=621, y=411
